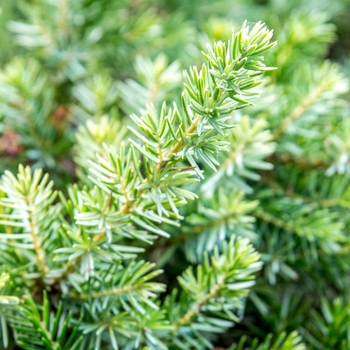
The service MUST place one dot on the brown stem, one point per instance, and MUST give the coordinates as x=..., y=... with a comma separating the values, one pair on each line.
x=299, y=110
x=125, y=209
x=267, y=217
x=96, y=295
x=324, y=203
x=153, y=93
x=302, y=162
x=40, y=256
x=180, y=144
x=196, y=306
x=127, y=206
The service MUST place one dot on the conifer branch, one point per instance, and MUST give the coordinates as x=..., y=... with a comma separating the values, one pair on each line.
x=300, y=109
x=6, y=299
x=197, y=133
x=40, y=256
x=214, y=292
x=30, y=198
x=184, y=184
x=196, y=307
x=316, y=225
x=325, y=79
x=180, y=143
x=133, y=282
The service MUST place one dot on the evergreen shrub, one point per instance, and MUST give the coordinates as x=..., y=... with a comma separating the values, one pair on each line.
x=173, y=178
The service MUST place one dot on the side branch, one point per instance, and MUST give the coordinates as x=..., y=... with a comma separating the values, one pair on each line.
x=40, y=256
x=196, y=306
x=299, y=110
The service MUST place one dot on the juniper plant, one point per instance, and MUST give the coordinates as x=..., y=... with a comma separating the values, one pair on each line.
x=139, y=235
x=78, y=280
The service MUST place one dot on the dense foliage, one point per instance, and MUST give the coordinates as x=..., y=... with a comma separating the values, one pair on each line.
x=146, y=208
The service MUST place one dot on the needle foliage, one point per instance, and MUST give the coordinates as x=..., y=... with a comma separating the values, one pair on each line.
x=172, y=178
